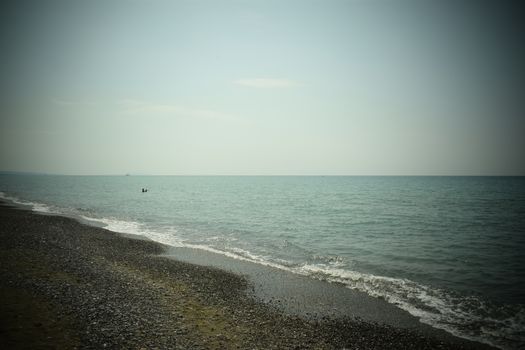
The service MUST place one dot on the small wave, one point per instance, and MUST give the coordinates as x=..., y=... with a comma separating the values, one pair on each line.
x=167, y=236
x=332, y=260
x=467, y=317
x=35, y=206
x=221, y=239
x=234, y=253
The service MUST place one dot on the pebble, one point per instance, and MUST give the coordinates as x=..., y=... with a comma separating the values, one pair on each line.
x=120, y=294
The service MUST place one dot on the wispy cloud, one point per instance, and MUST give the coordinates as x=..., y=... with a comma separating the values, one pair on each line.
x=149, y=108
x=267, y=83
x=67, y=103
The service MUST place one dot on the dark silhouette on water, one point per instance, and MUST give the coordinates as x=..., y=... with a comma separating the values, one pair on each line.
x=144, y=190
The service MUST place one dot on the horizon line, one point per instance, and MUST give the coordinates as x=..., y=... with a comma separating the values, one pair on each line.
x=36, y=173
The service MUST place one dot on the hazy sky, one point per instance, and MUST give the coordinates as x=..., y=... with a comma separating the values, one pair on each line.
x=262, y=87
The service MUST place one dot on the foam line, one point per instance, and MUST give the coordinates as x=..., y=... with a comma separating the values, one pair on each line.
x=436, y=307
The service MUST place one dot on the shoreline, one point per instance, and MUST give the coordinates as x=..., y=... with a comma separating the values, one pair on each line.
x=70, y=285
x=307, y=297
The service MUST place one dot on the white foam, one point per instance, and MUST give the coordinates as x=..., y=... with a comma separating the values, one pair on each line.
x=35, y=206
x=235, y=253
x=167, y=237
x=436, y=307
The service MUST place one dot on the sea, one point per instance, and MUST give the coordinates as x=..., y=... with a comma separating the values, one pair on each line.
x=449, y=250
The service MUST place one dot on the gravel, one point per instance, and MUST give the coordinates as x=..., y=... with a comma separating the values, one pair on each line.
x=67, y=285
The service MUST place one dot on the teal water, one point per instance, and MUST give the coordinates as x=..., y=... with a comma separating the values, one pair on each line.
x=449, y=250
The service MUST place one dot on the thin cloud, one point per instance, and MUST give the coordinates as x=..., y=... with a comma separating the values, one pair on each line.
x=148, y=108
x=266, y=83
x=67, y=103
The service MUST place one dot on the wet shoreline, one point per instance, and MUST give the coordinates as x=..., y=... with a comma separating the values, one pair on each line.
x=99, y=289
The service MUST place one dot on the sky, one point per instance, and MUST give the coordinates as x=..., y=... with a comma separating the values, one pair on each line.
x=262, y=87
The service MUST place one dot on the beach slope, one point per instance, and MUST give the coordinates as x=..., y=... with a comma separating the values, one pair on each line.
x=67, y=285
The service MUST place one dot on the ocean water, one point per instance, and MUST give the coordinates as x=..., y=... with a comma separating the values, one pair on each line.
x=449, y=250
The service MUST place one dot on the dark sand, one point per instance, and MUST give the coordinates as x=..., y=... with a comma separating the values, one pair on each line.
x=66, y=285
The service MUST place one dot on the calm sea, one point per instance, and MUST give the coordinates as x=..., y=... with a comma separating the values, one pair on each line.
x=449, y=250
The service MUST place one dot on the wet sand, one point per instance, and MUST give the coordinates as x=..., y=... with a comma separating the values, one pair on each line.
x=305, y=296
x=66, y=285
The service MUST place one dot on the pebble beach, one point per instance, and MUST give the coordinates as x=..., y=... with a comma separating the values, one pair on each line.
x=66, y=285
